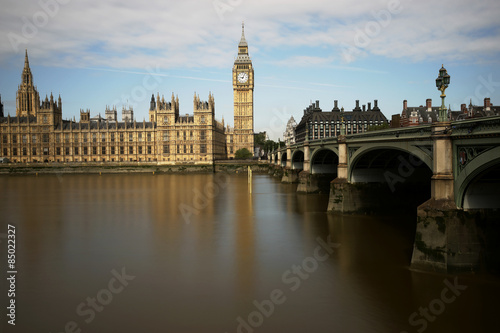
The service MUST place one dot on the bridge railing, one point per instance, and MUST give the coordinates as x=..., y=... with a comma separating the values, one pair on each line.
x=483, y=126
x=471, y=127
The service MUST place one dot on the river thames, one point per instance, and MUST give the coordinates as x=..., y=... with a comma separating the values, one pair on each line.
x=199, y=253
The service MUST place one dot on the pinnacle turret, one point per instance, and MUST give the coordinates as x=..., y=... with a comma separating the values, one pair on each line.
x=27, y=77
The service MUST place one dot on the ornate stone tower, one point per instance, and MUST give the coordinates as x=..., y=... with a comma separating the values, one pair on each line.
x=243, y=83
x=27, y=99
x=163, y=112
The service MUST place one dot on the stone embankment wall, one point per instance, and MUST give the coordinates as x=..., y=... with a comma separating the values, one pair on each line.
x=100, y=168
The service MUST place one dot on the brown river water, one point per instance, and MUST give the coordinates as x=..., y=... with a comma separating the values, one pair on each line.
x=199, y=253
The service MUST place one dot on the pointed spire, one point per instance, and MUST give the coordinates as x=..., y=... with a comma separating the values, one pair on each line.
x=26, y=75
x=26, y=61
x=243, y=41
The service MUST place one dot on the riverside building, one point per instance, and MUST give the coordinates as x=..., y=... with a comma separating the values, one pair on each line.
x=38, y=132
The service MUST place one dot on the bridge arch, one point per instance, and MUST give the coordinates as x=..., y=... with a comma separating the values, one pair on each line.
x=283, y=159
x=423, y=153
x=397, y=179
x=476, y=186
x=298, y=159
x=390, y=163
x=324, y=161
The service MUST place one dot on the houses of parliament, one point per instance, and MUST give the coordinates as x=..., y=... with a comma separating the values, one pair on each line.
x=38, y=132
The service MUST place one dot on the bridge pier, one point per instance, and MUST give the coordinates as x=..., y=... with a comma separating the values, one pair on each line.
x=357, y=198
x=288, y=157
x=446, y=238
x=308, y=183
x=290, y=176
x=346, y=197
x=276, y=171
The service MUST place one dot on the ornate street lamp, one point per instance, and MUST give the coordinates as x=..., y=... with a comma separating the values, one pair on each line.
x=442, y=82
x=342, y=125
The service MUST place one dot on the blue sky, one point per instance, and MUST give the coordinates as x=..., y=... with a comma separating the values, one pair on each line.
x=99, y=53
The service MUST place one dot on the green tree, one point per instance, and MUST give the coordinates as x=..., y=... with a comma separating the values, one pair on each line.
x=242, y=154
x=269, y=146
x=259, y=139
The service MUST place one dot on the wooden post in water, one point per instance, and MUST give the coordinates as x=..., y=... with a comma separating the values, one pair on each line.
x=249, y=179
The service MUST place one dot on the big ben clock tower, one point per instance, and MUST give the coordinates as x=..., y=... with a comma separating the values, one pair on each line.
x=243, y=97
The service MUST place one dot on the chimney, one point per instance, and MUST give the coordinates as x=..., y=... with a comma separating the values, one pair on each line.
x=405, y=104
x=428, y=104
x=357, y=104
x=335, y=104
x=369, y=106
x=317, y=104
x=364, y=107
x=375, y=105
x=487, y=104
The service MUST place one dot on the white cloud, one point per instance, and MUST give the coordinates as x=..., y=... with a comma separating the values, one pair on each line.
x=129, y=34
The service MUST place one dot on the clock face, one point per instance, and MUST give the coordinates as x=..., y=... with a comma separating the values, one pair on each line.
x=242, y=77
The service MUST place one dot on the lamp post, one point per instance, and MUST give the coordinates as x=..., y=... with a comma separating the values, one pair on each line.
x=342, y=125
x=442, y=82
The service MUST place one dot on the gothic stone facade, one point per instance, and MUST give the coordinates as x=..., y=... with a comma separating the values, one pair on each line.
x=38, y=132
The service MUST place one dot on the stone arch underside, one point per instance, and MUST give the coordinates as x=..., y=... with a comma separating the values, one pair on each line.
x=477, y=185
x=324, y=161
x=298, y=160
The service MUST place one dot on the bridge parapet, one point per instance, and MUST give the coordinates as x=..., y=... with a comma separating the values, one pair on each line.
x=487, y=126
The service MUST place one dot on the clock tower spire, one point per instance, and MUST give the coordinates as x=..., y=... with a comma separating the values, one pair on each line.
x=243, y=83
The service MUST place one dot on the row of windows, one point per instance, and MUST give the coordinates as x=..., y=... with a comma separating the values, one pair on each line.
x=184, y=135
x=95, y=138
x=25, y=128
x=359, y=123
x=85, y=138
x=112, y=150
x=165, y=119
x=76, y=151
x=348, y=124
x=325, y=134
x=185, y=149
x=24, y=138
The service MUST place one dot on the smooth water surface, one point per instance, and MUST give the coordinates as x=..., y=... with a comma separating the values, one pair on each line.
x=199, y=253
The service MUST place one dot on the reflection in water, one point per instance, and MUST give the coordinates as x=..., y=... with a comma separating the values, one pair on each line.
x=204, y=252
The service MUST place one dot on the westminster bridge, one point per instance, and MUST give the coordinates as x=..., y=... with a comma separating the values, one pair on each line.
x=448, y=171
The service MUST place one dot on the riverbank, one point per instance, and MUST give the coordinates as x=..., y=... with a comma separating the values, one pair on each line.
x=135, y=167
